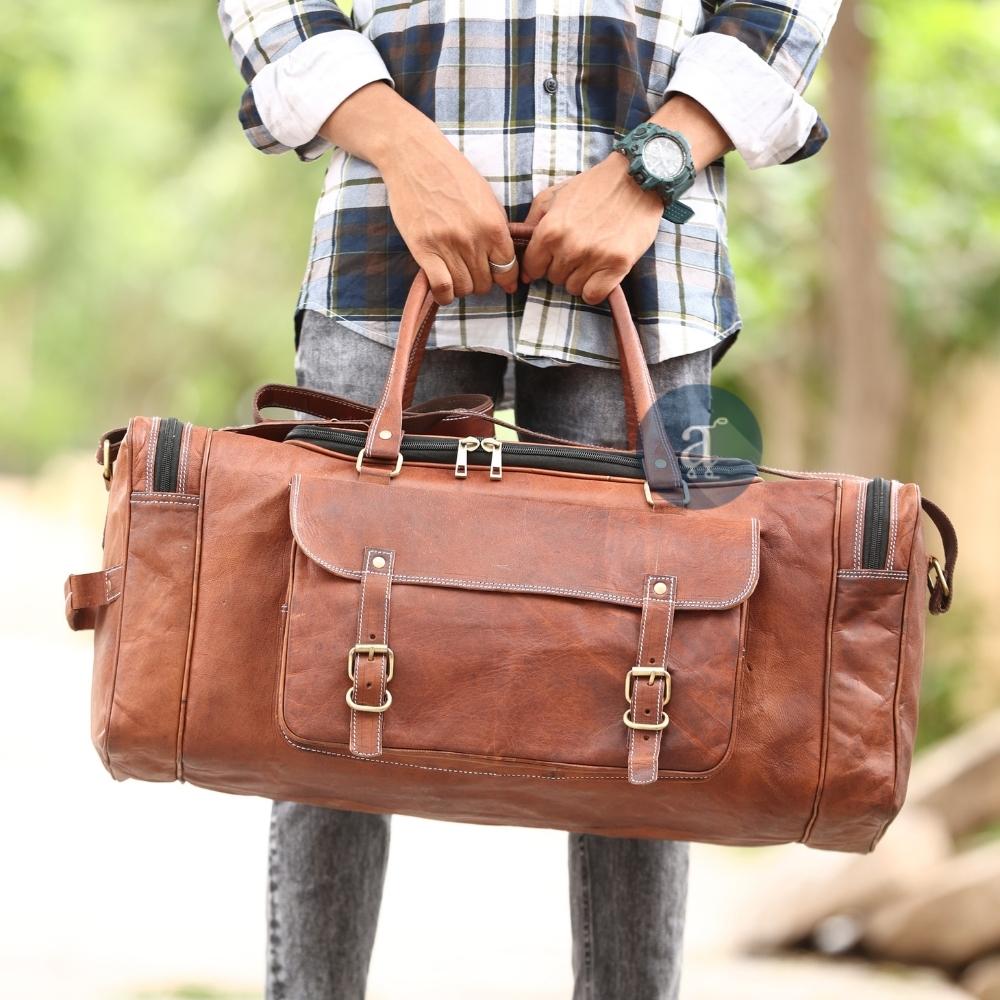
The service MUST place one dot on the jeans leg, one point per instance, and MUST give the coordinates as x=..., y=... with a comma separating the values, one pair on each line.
x=327, y=866
x=627, y=903
x=326, y=870
x=627, y=895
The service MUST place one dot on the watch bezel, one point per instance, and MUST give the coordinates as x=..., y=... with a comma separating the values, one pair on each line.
x=681, y=148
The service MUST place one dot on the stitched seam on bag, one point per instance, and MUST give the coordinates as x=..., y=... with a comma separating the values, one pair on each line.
x=166, y=503
x=182, y=465
x=488, y=774
x=151, y=439
x=859, y=526
x=159, y=495
x=895, y=700
x=873, y=574
x=893, y=525
x=796, y=474
x=556, y=591
x=128, y=447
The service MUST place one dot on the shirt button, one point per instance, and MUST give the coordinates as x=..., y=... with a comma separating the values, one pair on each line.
x=550, y=85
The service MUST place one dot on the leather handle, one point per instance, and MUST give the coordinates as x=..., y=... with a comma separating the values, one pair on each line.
x=663, y=471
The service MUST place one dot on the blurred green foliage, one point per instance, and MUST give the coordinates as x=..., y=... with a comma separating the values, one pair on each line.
x=936, y=105
x=149, y=258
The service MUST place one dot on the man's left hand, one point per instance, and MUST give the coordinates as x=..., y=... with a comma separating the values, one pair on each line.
x=591, y=229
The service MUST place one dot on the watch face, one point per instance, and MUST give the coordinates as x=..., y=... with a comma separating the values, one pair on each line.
x=662, y=157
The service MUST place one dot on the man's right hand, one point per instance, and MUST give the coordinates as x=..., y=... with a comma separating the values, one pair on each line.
x=445, y=211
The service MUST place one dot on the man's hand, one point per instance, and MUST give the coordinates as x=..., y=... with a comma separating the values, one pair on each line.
x=445, y=211
x=591, y=229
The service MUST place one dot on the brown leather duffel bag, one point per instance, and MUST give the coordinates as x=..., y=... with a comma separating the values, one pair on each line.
x=373, y=613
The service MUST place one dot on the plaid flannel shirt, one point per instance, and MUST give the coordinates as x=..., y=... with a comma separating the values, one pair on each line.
x=531, y=93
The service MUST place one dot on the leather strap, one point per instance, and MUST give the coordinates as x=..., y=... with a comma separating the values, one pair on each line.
x=663, y=471
x=371, y=669
x=648, y=693
x=86, y=592
x=942, y=589
x=327, y=406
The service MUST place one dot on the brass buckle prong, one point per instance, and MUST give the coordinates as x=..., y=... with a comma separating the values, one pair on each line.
x=371, y=649
x=652, y=674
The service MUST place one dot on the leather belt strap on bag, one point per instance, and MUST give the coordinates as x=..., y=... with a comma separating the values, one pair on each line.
x=370, y=660
x=647, y=684
x=86, y=592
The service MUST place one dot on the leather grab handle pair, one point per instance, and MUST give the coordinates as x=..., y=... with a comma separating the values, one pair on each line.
x=663, y=471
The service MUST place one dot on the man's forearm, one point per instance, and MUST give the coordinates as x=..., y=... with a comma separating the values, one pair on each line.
x=706, y=137
x=375, y=123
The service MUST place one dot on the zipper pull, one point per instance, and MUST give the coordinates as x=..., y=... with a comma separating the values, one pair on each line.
x=494, y=446
x=465, y=445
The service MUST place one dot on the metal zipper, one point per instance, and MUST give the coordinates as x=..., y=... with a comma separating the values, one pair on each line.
x=463, y=453
x=875, y=542
x=167, y=456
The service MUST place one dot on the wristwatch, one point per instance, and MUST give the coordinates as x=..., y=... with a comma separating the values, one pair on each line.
x=660, y=159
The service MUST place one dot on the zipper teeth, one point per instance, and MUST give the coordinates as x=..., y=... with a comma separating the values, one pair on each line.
x=876, y=529
x=509, y=447
x=168, y=450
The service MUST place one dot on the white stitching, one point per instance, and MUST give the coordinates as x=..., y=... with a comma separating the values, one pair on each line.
x=651, y=581
x=894, y=525
x=176, y=497
x=858, y=522
x=383, y=674
x=168, y=503
x=182, y=467
x=489, y=774
x=874, y=574
x=468, y=584
x=151, y=438
x=795, y=474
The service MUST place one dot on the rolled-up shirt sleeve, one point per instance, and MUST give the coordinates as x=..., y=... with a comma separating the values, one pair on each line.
x=300, y=59
x=749, y=66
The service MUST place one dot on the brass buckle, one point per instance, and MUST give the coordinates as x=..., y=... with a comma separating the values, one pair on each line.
x=934, y=567
x=392, y=474
x=645, y=725
x=651, y=673
x=369, y=708
x=371, y=648
x=107, y=460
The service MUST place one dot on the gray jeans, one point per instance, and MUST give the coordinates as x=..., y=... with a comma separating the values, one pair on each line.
x=327, y=867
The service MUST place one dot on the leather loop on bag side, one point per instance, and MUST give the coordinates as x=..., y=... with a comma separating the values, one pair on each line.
x=86, y=592
x=943, y=587
x=663, y=471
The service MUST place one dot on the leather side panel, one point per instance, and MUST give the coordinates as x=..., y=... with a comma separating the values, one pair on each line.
x=911, y=659
x=107, y=628
x=156, y=611
x=871, y=650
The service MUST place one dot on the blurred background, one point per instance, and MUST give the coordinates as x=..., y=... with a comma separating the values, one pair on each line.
x=149, y=261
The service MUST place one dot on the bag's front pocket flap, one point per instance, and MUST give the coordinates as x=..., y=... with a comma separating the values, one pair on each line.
x=488, y=539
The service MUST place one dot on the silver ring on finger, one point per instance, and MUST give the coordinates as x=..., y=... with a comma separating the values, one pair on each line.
x=503, y=268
